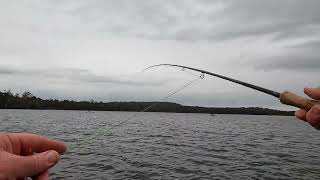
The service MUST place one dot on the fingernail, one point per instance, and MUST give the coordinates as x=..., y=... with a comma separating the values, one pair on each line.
x=52, y=157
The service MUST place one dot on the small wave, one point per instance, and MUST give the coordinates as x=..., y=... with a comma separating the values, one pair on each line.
x=160, y=135
x=99, y=166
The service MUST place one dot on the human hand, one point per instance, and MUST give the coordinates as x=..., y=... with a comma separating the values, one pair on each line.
x=17, y=158
x=313, y=115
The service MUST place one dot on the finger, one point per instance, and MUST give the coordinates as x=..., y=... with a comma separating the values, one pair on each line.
x=28, y=166
x=313, y=116
x=301, y=114
x=314, y=93
x=42, y=176
x=34, y=143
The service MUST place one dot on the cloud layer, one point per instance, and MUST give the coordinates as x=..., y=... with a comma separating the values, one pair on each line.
x=80, y=49
x=79, y=75
x=202, y=20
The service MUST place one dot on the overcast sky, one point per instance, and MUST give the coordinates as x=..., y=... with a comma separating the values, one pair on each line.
x=96, y=49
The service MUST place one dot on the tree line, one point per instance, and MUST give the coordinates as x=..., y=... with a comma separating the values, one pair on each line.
x=27, y=100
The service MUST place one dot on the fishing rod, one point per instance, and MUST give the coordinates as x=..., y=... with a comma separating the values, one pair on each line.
x=285, y=97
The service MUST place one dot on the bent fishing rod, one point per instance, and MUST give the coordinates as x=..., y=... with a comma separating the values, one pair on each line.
x=285, y=97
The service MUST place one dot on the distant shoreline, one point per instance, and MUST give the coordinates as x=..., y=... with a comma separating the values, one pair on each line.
x=28, y=101
x=290, y=113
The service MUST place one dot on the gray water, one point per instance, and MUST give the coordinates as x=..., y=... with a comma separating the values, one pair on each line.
x=174, y=146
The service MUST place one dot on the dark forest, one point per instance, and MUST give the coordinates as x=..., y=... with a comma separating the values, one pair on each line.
x=27, y=100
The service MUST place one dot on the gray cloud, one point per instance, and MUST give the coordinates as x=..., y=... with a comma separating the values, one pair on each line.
x=284, y=19
x=291, y=62
x=300, y=57
x=202, y=20
x=313, y=45
x=5, y=71
x=73, y=75
x=181, y=20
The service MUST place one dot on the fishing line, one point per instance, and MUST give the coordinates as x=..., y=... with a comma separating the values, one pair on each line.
x=106, y=132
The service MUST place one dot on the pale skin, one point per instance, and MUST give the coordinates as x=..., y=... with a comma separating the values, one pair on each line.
x=27, y=155
x=313, y=115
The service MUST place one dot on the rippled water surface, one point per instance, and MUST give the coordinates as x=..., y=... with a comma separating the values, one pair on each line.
x=174, y=146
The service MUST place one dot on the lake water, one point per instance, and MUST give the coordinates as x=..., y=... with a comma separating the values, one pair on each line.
x=174, y=146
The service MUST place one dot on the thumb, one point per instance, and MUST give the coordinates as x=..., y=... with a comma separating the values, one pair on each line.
x=313, y=116
x=27, y=166
x=314, y=93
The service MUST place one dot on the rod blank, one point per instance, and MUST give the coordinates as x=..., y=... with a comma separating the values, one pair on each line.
x=286, y=97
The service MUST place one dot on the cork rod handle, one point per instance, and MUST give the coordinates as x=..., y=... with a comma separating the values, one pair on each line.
x=292, y=99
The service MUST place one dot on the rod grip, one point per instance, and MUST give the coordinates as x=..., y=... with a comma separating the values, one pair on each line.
x=292, y=99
